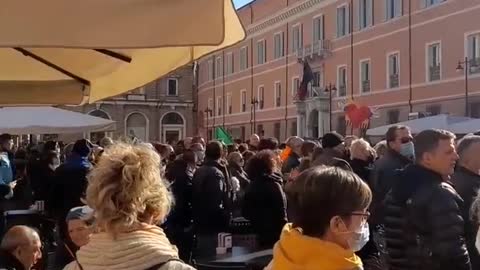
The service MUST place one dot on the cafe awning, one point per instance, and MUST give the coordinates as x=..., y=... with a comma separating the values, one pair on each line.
x=49, y=120
x=76, y=52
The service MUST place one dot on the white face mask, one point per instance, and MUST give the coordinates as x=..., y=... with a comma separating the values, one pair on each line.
x=359, y=238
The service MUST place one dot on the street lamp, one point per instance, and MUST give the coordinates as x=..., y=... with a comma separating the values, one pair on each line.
x=330, y=88
x=466, y=66
x=208, y=112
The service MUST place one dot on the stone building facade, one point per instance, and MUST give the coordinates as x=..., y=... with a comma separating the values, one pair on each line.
x=159, y=111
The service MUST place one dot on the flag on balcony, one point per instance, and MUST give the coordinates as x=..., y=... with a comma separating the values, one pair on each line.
x=307, y=78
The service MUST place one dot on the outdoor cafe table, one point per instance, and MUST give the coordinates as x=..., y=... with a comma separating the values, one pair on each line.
x=238, y=258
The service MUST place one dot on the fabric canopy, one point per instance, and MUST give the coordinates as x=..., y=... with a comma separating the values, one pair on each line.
x=74, y=52
x=442, y=121
x=49, y=120
x=465, y=127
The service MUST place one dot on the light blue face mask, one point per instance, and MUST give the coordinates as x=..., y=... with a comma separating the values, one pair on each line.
x=408, y=150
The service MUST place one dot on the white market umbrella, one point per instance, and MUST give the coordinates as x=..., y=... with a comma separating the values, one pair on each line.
x=76, y=52
x=441, y=121
x=469, y=126
x=49, y=120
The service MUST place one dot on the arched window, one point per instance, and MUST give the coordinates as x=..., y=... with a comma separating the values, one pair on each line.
x=172, y=118
x=137, y=126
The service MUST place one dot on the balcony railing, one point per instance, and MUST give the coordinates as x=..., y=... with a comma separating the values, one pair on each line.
x=434, y=73
x=474, y=65
x=394, y=81
x=319, y=49
x=366, y=86
x=342, y=90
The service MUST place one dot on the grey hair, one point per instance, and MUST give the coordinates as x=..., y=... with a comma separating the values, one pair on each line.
x=18, y=236
x=464, y=144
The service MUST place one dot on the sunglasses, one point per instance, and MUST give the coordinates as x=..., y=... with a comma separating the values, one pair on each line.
x=406, y=140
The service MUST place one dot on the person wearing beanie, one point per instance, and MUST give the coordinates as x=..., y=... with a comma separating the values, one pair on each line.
x=333, y=149
x=70, y=183
x=80, y=227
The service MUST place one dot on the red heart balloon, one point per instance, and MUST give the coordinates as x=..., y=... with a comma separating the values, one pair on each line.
x=357, y=115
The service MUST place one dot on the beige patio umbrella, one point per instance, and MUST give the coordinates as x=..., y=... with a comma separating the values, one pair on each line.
x=74, y=52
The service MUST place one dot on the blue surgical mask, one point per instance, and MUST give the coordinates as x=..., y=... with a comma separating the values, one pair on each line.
x=360, y=238
x=407, y=150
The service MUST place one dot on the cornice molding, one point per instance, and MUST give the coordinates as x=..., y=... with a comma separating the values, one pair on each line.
x=283, y=16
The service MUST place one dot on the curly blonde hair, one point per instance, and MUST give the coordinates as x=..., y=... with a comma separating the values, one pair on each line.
x=125, y=188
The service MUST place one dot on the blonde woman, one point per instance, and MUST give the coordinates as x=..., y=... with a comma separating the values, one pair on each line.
x=362, y=156
x=129, y=198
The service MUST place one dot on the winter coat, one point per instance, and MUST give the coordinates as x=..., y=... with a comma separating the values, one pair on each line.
x=298, y=251
x=424, y=228
x=467, y=184
x=362, y=168
x=381, y=179
x=180, y=178
x=210, y=199
x=147, y=248
x=9, y=262
x=265, y=205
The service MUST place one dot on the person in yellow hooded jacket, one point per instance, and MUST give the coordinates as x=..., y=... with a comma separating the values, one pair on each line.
x=329, y=222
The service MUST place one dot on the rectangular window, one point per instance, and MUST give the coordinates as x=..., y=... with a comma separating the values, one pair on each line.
x=244, y=101
x=365, y=13
x=243, y=58
x=393, y=116
x=393, y=70
x=295, y=86
x=276, y=130
x=260, y=130
x=319, y=28
x=365, y=76
x=172, y=87
x=229, y=63
x=219, y=105
x=434, y=62
x=297, y=38
x=210, y=104
x=473, y=53
x=278, y=94
x=218, y=67
x=435, y=109
x=316, y=79
x=393, y=9
x=278, y=45
x=229, y=103
x=343, y=21
x=293, y=129
x=261, y=52
x=428, y=3
x=210, y=70
x=342, y=81
x=260, y=98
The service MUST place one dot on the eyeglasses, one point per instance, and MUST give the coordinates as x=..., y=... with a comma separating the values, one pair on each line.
x=406, y=140
x=364, y=215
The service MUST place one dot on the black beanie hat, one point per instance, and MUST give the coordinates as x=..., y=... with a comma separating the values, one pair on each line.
x=331, y=140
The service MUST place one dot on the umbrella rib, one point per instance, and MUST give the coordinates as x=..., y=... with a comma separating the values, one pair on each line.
x=52, y=65
x=116, y=55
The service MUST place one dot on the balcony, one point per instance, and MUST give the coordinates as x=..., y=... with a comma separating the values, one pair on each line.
x=394, y=82
x=434, y=73
x=342, y=90
x=365, y=86
x=474, y=65
x=319, y=50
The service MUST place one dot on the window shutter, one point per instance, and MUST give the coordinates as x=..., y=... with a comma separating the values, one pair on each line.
x=388, y=5
x=423, y=3
x=369, y=12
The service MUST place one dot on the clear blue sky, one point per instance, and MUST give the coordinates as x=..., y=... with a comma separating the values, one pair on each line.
x=241, y=3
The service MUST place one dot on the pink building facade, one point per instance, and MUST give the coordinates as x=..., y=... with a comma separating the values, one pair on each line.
x=399, y=60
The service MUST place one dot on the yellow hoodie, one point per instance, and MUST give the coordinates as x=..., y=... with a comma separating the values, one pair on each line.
x=295, y=251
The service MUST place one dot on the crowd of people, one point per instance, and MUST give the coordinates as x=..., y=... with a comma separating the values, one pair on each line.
x=333, y=203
